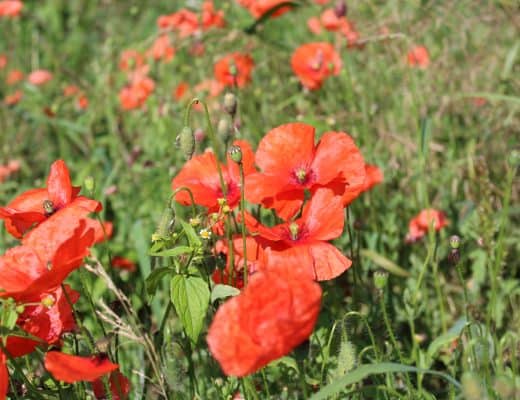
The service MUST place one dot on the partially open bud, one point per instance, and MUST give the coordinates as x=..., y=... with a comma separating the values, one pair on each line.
x=235, y=152
x=186, y=142
x=89, y=184
x=230, y=104
x=340, y=9
x=48, y=207
x=380, y=279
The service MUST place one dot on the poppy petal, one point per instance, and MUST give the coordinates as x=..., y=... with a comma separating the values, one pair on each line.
x=4, y=377
x=59, y=185
x=70, y=369
x=329, y=262
x=323, y=215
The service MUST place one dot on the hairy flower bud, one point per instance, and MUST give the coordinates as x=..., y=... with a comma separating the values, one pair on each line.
x=186, y=142
x=230, y=104
x=224, y=128
x=235, y=152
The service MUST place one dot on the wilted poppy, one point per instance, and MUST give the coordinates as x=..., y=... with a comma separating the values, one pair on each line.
x=418, y=57
x=322, y=220
x=275, y=312
x=119, y=387
x=234, y=69
x=36, y=205
x=314, y=62
x=10, y=8
x=420, y=224
x=68, y=368
x=200, y=175
x=39, y=77
x=291, y=163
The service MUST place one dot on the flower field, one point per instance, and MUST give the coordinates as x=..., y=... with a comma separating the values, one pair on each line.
x=259, y=199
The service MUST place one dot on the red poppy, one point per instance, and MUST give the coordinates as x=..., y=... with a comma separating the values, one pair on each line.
x=10, y=8
x=36, y=205
x=82, y=102
x=291, y=163
x=322, y=220
x=275, y=312
x=14, y=76
x=331, y=21
x=374, y=176
x=201, y=176
x=180, y=91
x=123, y=263
x=420, y=224
x=210, y=17
x=314, y=62
x=418, y=57
x=135, y=94
x=3, y=61
x=255, y=260
x=39, y=77
x=162, y=49
x=4, y=377
x=70, y=90
x=314, y=25
x=257, y=8
x=234, y=69
x=187, y=23
x=119, y=386
x=43, y=262
x=70, y=369
x=13, y=98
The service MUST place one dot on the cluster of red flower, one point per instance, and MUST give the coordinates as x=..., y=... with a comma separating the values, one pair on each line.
x=278, y=307
x=56, y=233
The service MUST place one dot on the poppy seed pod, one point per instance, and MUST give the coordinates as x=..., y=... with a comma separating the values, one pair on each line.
x=454, y=242
x=235, y=152
x=380, y=279
x=186, y=142
x=230, y=104
x=48, y=207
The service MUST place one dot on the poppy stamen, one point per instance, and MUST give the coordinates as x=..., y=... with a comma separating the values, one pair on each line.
x=48, y=207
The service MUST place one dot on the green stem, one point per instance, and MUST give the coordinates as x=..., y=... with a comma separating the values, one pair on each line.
x=243, y=222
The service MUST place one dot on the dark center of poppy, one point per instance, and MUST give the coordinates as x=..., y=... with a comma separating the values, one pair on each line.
x=48, y=207
x=303, y=176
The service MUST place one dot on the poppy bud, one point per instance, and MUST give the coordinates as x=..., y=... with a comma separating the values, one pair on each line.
x=341, y=9
x=235, y=152
x=48, y=207
x=186, y=142
x=224, y=128
x=230, y=104
x=454, y=242
x=89, y=184
x=380, y=279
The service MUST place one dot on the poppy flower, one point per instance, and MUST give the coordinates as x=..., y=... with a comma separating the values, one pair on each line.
x=255, y=260
x=123, y=263
x=275, y=312
x=418, y=57
x=322, y=220
x=258, y=8
x=82, y=102
x=234, y=69
x=70, y=90
x=39, y=77
x=41, y=263
x=180, y=91
x=420, y=224
x=200, y=175
x=14, y=76
x=291, y=163
x=331, y=21
x=130, y=60
x=13, y=98
x=68, y=368
x=210, y=17
x=10, y=8
x=135, y=94
x=162, y=49
x=374, y=176
x=119, y=386
x=36, y=205
x=4, y=376
x=314, y=62
x=314, y=25
x=3, y=61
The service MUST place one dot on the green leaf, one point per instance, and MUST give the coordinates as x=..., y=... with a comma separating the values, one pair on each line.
x=447, y=338
x=155, y=278
x=190, y=297
x=223, y=291
x=363, y=371
x=193, y=238
x=176, y=251
x=385, y=263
